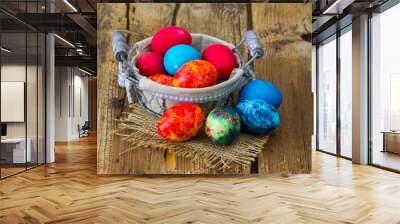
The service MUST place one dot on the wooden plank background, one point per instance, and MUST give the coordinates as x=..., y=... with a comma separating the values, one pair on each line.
x=285, y=32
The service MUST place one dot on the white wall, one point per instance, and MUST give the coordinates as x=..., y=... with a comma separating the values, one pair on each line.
x=33, y=126
x=61, y=103
x=17, y=73
x=12, y=73
x=71, y=102
x=80, y=111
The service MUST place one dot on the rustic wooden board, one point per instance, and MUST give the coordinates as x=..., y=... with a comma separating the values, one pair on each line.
x=287, y=64
x=144, y=21
x=112, y=18
x=224, y=21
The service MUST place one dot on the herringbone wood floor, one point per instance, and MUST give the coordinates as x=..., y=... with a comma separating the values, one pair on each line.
x=69, y=191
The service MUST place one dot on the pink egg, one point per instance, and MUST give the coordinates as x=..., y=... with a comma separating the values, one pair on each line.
x=168, y=37
x=222, y=58
x=150, y=63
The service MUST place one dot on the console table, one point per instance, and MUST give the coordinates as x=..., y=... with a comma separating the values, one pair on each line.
x=13, y=150
x=391, y=141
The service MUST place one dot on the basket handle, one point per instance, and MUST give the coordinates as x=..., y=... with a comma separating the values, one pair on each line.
x=120, y=47
x=254, y=44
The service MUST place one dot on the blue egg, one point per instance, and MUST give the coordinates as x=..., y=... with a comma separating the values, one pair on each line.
x=178, y=55
x=257, y=116
x=263, y=90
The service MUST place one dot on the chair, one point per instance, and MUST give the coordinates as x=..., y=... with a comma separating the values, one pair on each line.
x=84, y=130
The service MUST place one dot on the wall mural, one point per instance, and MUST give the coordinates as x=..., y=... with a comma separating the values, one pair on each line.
x=200, y=88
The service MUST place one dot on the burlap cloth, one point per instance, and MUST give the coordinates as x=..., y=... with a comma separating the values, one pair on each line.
x=138, y=129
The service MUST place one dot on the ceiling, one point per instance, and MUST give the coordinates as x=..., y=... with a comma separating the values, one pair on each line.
x=74, y=22
x=332, y=15
x=15, y=42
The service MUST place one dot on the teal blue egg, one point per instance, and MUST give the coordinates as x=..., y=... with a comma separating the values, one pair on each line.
x=178, y=55
x=223, y=125
x=262, y=90
x=257, y=116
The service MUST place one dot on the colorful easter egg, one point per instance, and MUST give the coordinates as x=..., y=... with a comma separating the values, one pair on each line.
x=223, y=125
x=181, y=122
x=150, y=63
x=196, y=74
x=222, y=58
x=263, y=90
x=162, y=79
x=178, y=55
x=168, y=37
x=257, y=116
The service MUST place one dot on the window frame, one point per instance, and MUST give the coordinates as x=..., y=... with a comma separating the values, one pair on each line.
x=381, y=9
x=334, y=37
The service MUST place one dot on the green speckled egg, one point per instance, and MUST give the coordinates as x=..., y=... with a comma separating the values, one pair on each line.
x=223, y=125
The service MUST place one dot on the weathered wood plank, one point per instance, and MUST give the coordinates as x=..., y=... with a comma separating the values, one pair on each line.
x=287, y=64
x=224, y=21
x=113, y=17
x=144, y=20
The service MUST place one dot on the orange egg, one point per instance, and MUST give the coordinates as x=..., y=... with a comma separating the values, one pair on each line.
x=162, y=79
x=181, y=122
x=196, y=74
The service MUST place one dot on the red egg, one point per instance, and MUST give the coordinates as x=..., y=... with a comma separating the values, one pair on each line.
x=181, y=122
x=168, y=37
x=195, y=74
x=150, y=63
x=162, y=79
x=222, y=58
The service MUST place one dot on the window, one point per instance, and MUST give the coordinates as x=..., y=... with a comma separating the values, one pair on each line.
x=385, y=89
x=22, y=75
x=327, y=96
x=346, y=93
x=334, y=106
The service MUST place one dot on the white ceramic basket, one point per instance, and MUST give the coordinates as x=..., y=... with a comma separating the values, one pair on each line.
x=156, y=98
